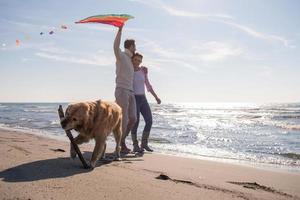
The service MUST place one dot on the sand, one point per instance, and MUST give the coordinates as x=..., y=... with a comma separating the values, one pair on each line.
x=35, y=167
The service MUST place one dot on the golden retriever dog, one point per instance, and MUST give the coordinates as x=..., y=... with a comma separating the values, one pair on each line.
x=94, y=120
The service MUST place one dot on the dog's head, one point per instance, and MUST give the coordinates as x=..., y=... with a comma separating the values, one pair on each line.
x=76, y=116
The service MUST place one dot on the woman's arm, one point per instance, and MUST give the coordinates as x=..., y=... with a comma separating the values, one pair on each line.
x=149, y=86
x=155, y=96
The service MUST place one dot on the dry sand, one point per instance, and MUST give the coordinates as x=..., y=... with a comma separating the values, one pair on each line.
x=32, y=168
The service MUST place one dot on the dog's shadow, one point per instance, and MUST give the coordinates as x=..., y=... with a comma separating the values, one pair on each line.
x=53, y=168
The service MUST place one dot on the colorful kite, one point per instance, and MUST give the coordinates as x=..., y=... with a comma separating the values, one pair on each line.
x=18, y=42
x=112, y=19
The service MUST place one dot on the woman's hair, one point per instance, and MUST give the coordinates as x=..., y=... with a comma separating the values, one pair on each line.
x=128, y=43
x=137, y=54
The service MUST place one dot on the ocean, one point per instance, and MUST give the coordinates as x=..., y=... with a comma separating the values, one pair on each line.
x=263, y=135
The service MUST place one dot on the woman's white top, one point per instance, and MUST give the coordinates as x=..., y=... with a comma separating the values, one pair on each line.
x=140, y=80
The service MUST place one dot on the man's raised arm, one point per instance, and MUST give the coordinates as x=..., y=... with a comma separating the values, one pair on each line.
x=117, y=43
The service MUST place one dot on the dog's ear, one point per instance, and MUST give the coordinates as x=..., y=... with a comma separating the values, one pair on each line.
x=70, y=109
x=67, y=110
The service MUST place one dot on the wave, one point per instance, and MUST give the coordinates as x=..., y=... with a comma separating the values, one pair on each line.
x=286, y=117
x=249, y=116
x=294, y=156
x=288, y=160
x=159, y=140
x=5, y=118
x=16, y=127
x=289, y=126
x=55, y=122
x=39, y=111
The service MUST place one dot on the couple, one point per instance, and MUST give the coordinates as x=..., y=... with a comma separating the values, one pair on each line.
x=130, y=93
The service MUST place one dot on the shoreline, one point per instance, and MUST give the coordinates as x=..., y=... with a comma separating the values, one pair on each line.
x=246, y=163
x=32, y=168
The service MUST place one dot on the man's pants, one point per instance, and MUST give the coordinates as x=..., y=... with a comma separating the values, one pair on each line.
x=126, y=100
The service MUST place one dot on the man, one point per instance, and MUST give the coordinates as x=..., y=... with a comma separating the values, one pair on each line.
x=124, y=86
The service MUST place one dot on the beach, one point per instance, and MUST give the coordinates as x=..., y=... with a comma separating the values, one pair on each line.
x=36, y=167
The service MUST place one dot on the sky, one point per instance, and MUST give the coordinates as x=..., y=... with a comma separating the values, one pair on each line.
x=195, y=50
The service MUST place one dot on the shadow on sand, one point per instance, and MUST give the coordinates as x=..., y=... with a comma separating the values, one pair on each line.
x=54, y=168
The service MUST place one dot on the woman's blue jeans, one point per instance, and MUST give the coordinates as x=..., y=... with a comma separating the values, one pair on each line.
x=142, y=107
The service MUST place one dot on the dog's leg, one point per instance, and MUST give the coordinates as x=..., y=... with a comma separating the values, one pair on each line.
x=98, y=149
x=103, y=153
x=78, y=140
x=118, y=136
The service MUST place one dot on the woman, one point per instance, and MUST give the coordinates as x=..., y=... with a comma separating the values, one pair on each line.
x=140, y=79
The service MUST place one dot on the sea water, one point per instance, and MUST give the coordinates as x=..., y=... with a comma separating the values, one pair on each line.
x=257, y=134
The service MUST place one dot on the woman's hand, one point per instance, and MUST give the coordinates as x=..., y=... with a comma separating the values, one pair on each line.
x=158, y=100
